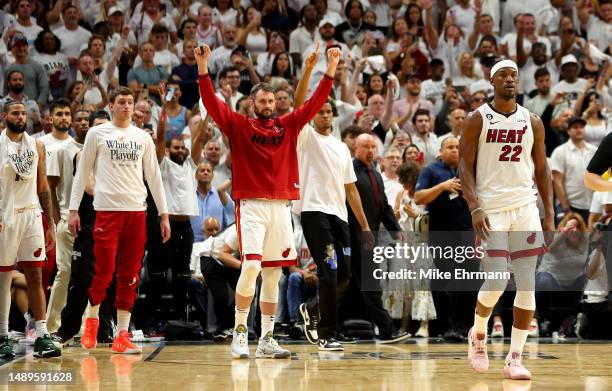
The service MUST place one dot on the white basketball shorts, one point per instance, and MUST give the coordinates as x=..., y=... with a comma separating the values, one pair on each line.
x=23, y=241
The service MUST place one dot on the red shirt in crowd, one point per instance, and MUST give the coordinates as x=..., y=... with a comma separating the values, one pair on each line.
x=264, y=152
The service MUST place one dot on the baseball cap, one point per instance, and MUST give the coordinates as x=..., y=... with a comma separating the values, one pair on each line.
x=325, y=21
x=19, y=39
x=114, y=9
x=568, y=59
x=573, y=120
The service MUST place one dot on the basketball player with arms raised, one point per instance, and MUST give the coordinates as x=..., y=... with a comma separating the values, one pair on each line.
x=501, y=149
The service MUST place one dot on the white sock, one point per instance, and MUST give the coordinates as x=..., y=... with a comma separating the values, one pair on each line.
x=41, y=328
x=241, y=317
x=28, y=318
x=123, y=320
x=480, y=323
x=517, y=340
x=93, y=311
x=5, y=302
x=267, y=324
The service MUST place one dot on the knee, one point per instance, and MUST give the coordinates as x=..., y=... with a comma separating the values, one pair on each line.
x=248, y=276
x=295, y=278
x=525, y=300
x=544, y=281
x=269, y=285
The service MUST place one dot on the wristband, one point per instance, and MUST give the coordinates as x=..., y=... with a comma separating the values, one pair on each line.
x=475, y=210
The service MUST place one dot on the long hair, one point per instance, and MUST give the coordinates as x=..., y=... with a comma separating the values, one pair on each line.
x=289, y=73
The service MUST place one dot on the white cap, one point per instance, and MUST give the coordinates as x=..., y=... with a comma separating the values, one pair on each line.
x=503, y=64
x=568, y=59
x=114, y=9
x=325, y=21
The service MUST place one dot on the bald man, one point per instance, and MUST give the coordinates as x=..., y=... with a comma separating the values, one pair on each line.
x=377, y=210
x=211, y=227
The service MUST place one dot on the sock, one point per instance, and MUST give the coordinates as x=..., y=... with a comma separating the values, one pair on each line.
x=93, y=311
x=41, y=328
x=27, y=318
x=267, y=324
x=480, y=323
x=123, y=320
x=241, y=317
x=517, y=340
x=5, y=302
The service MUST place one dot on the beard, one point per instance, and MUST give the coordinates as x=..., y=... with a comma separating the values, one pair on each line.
x=61, y=128
x=17, y=89
x=177, y=158
x=263, y=116
x=13, y=127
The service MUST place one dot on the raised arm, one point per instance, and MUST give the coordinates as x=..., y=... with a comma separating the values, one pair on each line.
x=216, y=108
x=44, y=195
x=542, y=173
x=302, y=88
x=385, y=120
x=196, y=140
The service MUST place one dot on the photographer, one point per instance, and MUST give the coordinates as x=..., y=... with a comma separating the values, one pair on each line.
x=602, y=161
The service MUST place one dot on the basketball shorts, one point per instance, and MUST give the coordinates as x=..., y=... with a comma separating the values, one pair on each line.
x=23, y=241
x=515, y=233
x=265, y=232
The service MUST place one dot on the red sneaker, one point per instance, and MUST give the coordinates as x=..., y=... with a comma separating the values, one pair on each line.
x=123, y=344
x=90, y=334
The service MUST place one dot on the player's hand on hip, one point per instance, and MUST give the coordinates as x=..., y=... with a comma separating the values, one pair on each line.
x=50, y=238
x=481, y=224
x=74, y=223
x=201, y=53
x=164, y=226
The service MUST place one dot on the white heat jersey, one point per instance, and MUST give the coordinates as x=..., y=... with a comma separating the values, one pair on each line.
x=504, y=166
x=25, y=193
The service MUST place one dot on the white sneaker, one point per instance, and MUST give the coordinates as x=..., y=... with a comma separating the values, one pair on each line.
x=240, y=342
x=268, y=348
x=534, y=330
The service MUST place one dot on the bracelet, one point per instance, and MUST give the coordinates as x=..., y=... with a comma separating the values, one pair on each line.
x=475, y=210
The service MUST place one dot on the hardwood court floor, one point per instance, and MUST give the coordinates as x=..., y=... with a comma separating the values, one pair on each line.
x=421, y=365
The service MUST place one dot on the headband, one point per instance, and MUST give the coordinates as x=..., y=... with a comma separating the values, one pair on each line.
x=503, y=64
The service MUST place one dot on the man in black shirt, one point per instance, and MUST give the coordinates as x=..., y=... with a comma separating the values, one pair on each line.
x=599, y=164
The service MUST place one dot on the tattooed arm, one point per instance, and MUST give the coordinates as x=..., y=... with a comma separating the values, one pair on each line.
x=44, y=196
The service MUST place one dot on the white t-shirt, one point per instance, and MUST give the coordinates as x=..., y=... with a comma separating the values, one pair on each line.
x=392, y=189
x=464, y=18
x=433, y=91
x=30, y=32
x=72, y=40
x=51, y=145
x=56, y=65
x=212, y=246
x=64, y=156
x=325, y=166
x=165, y=58
x=572, y=162
x=527, y=78
x=599, y=31
x=118, y=157
x=571, y=91
x=180, y=186
x=510, y=40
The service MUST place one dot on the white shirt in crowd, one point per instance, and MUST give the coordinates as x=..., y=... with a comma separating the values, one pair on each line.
x=572, y=162
x=118, y=157
x=212, y=246
x=180, y=186
x=325, y=166
x=73, y=41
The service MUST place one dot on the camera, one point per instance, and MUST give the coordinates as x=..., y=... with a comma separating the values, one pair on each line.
x=598, y=236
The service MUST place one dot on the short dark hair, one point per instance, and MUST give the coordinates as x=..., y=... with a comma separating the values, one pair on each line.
x=489, y=38
x=180, y=31
x=286, y=89
x=226, y=70
x=12, y=72
x=239, y=101
x=81, y=110
x=121, y=90
x=93, y=38
x=11, y=103
x=408, y=173
x=159, y=29
x=420, y=112
x=94, y=115
x=352, y=130
x=541, y=72
x=59, y=103
x=406, y=150
x=265, y=87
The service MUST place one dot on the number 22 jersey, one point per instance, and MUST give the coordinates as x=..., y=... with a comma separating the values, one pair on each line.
x=504, y=165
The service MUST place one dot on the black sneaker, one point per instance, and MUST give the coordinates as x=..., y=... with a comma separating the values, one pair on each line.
x=395, y=337
x=310, y=324
x=296, y=331
x=6, y=347
x=330, y=345
x=221, y=335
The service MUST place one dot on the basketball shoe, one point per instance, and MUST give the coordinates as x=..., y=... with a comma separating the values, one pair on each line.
x=514, y=368
x=6, y=347
x=268, y=348
x=90, y=334
x=122, y=344
x=45, y=347
x=477, y=352
x=240, y=342
x=310, y=324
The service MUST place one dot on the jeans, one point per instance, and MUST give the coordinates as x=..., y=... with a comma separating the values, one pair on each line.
x=298, y=291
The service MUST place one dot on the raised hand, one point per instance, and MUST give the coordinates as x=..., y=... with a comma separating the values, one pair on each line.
x=333, y=55
x=202, y=53
x=312, y=58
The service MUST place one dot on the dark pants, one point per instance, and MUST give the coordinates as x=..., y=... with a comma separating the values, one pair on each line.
x=552, y=295
x=197, y=295
x=298, y=291
x=81, y=274
x=608, y=234
x=220, y=280
x=175, y=254
x=598, y=319
x=327, y=238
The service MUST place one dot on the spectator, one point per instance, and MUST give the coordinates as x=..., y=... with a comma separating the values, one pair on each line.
x=16, y=86
x=252, y=36
x=568, y=164
x=282, y=70
x=405, y=109
x=349, y=135
x=570, y=85
x=224, y=13
x=35, y=77
x=163, y=57
x=590, y=109
x=351, y=32
x=178, y=115
x=55, y=63
x=186, y=74
x=433, y=88
x=94, y=89
x=424, y=138
x=72, y=36
x=456, y=118
x=526, y=31
x=283, y=98
x=188, y=31
x=212, y=201
x=530, y=62
x=392, y=159
x=25, y=24
x=212, y=154
x=305, y=35
x=463, y=15
x=325, y=13
x=248, y=76
x=276, y=44
x=146, y=14
x=148, y=75
x=537, y=104
x=207, y=33
x=599, y=26
x=220, y=56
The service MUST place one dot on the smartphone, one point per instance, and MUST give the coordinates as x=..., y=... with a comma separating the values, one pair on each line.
x=459, y=89
x=170, y=93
